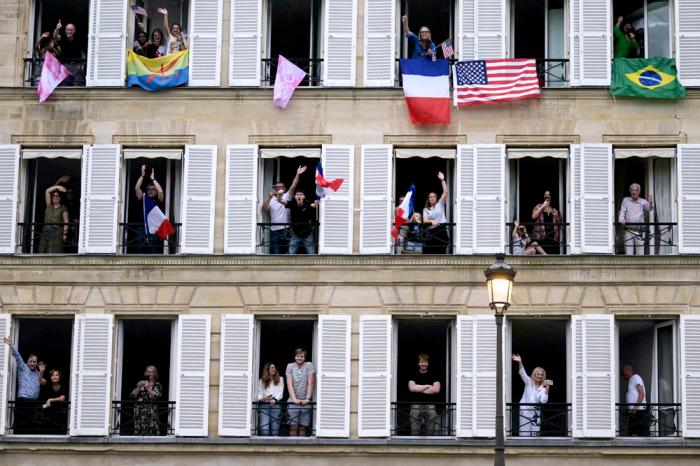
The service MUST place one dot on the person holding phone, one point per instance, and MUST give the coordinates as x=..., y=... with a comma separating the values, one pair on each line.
x=546, y=232
x=147, y=393
x=536, y=392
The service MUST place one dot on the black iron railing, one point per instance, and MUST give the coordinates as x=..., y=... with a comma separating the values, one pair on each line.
x=279, y=238
x=552, y=72
x=419, y=238
x=35, y=418
x=655, y=420
x=33, y=65
x=644, y=239
x=312, y=66
x=541, y=237
x=425, y=420
x=47, y=238
x=143, y=418
x=283, y=419
x=134, y=240
x=539, y=420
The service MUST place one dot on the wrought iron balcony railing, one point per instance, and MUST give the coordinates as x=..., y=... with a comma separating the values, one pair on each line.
x=645, y=239
x=279, y=238
x=47, y=238
x=654, y=420
x=551, y=238
x=33, y=66
x=424, y=420
x=143, y=418
x=35, y=418
x=283, y=419
x=418, y=238
x=539, y=420
x=312, y=66
x=134, y=240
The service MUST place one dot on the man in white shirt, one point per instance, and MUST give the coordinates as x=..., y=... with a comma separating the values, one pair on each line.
x=279, y=214
x=633, y=210
x=636, y=400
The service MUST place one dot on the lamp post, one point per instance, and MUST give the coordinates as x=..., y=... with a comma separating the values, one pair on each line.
x=499, y=282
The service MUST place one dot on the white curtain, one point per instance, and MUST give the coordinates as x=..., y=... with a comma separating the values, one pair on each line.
x=663, y=205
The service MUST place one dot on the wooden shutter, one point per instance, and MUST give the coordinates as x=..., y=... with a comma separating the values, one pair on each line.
x=241, y=207
x=92, y=375
x=205, y=42
x=192, y=376
x=575, y=43
x=236, y=369
x=464, y=202
x=333, y=408
x=596, y=199
x=100, y=199
x=340, y=21
x=244, y=59
x=489, y=211
x=5, y=322
x=9, y=179
x=106, y=57
x=574, y=237
x=375, y=212
x=199, y=191
x=466, y=46
x=688, y=198
x=481, y=30
x=374, y=399
x=591, y=40
x=690, y=375
x=688, y=42
x=380, y=43
x=337, y=209
x=464, y=377
x=593, y=382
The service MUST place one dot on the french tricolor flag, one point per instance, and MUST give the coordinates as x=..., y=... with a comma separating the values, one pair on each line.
x=155, y=221
x=404, y=211
x=324, y=186
x=426, y=85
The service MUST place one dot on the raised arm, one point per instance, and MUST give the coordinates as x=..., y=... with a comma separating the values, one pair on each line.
x=57, y=31
x=443, y=198
x=521, y=369
x=295, y=182
x=161, y=196
x=137, y=187
x=166, y=24
x=404, y=22
x=47, y=193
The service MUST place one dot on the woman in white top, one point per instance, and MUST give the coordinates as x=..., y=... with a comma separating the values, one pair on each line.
x=270, y=392
x=536, y=392
x=175, y=41
x=436, y=237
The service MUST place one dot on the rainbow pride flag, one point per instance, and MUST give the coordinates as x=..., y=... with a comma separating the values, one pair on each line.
x=154, y=74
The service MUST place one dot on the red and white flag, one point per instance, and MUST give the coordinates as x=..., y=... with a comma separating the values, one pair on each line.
x=52, y=73
x=286, y=81
x=323, y=186
x=156, y=222
x=426, y=86
x=492, y=81
x=404, y=211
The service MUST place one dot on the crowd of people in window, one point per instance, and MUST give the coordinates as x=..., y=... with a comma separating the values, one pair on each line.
x=63, y=44
x=160, y=44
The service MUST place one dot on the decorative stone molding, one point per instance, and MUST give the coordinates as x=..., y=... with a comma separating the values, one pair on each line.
x=290, y=140
x=54, y=140
x=538, y=140
x=412, y=140
x=642, y=140
x=159, y=141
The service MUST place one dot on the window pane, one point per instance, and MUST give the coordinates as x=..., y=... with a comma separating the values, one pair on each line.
x=658, y=36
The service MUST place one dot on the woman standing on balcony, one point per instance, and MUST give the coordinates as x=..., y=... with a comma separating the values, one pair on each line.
x=176, y=40
x=546, y=232
x=436, y=237
x=421, y=46
x=55, y=412
x=55, y=230
x=270, y=392
x=536, y=392
x=147, y=393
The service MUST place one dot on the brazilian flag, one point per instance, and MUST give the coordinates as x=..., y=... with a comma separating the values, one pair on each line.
x=653, y=78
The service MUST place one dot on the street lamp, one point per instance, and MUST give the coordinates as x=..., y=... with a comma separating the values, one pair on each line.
x=499, y=282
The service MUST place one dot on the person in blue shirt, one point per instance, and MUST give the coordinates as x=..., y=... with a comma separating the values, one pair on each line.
x=420, y=46
x=30, y=378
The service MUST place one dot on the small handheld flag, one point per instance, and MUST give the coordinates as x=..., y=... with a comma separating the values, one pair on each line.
x=404, y=211
x=52, y=73
x=138, y=10
x=324, y=186
x=155, y=221
x=447, y=50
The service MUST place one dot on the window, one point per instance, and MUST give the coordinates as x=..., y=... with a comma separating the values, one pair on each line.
x=144, y=354
x=650, y=21
x=436, y=15
x=53, y=227
x=293, y=31
x=648, y=370
x=50, y=340
x=178, y=13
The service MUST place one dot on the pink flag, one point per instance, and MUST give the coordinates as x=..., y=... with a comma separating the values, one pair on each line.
x=288, y=78
x=52, y=74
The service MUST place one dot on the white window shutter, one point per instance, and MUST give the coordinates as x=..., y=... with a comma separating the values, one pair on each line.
x=100, y=199
x=688, y=42
x=374, y=399
x=489, y=184
x=688, y=198
x=596, y=199
x=491, y=29
x=336, y=213
x=380, y=43
x=9, y=179
x=375, y=212
x=199, y=192
x=593, y=383
x=5, y=322
x=574, y=236
x=466, y=47
x=594, y=42
x=690, y=375
x=244, y=43
x=575, y=43
x=340, y=20
x=236, y=371
x=464, y=202
x=92, y=375
x=192, y=376
x=333, y=407
x=205, y=42
x=106, y=56
x=484, y=352
x=464, y=377
x=241, y=206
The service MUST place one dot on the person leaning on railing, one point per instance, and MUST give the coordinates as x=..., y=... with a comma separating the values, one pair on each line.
x=634, y=209
x=54, y=396
x=56, y=222
x=270, y=393
x=536, y=392
x=147, y=393
x=546, y=232
x=301, y=379
x=425, y=390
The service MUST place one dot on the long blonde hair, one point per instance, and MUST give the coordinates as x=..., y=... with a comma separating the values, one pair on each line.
x=532, y=376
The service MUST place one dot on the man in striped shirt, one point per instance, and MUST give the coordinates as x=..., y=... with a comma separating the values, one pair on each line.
x=634, y=210
x=30, y=378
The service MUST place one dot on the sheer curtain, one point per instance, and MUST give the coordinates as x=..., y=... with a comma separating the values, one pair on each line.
x=663, y=205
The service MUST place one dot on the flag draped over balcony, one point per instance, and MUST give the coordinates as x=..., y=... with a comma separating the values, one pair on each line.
x=154, y=74
x=52, y=73
x=426, y=85
x=287, y=80
x=652, y=78
x=493, y=81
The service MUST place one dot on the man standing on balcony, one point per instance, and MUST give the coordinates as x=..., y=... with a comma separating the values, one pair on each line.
x=303, y=214
x=633, y=210
x=30, y=378
x=425, y=389
x=636, y=400
x=626, y=45
x=72, y=55
x=275, y=204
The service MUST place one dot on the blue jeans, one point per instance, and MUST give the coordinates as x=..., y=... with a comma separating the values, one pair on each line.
x=278, y=244
x=268, y=419
x=307, y=241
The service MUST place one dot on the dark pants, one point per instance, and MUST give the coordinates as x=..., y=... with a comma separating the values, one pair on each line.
x=436, y=240
x=149, y=244
x=25, y=415
x=637, y=423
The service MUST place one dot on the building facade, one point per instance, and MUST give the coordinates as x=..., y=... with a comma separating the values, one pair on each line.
x=96, y=297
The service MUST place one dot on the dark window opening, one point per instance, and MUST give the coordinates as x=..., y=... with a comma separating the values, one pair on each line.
x=650, y=21
x=178, y=12
x=529, y=31
x=145, y=342
x=50, y=340
x=540, y=343
x=42, y=229
x=436, y=15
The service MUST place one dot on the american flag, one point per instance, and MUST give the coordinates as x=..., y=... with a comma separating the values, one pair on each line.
x=490, y=81
x=447, y=50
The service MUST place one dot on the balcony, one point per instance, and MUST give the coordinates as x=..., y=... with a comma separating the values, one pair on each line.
x=33, y=418
x=33, y=65
x=539, y=420
x=143, y=418
x=134, y=240
x=417, y=238
x=423, y=420
x=47, y=238
x=552, y=238
x=312, y=66
x=283, y=419
x=645, y=239
x=655, y=420
x=277, y=238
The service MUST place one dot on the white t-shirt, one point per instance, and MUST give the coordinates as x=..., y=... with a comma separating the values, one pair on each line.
x=279, y=212
x=436, y=213
x=633, y=393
